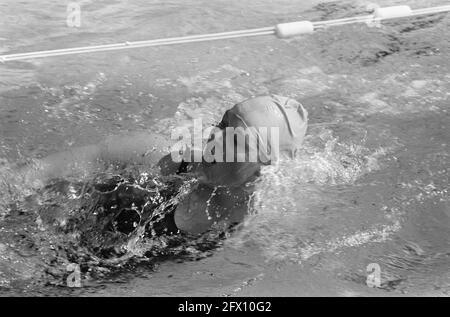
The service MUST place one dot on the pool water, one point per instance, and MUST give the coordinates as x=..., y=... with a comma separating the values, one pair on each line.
x=369, y=187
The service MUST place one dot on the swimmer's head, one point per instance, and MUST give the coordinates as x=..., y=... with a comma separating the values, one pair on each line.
x=262, y=129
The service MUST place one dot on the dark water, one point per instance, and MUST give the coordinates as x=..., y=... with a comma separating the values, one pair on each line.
x=369, y=186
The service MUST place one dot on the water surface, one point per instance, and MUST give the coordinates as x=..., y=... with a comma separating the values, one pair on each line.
x=370, y=185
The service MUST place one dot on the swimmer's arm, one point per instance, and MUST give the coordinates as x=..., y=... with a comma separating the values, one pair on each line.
x=77, y=161
x=137, y=148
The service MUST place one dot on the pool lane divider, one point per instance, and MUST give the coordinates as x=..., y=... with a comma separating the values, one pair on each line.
x=281, y=31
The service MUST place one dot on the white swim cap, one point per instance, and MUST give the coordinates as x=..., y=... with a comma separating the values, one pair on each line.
x=285, y=114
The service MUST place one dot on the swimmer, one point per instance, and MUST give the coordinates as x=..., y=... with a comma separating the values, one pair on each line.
x=222, y=193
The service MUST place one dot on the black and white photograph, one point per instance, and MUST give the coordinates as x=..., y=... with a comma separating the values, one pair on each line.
x=224, y=154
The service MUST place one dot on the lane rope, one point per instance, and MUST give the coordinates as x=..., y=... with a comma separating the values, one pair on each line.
x=282, y=31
